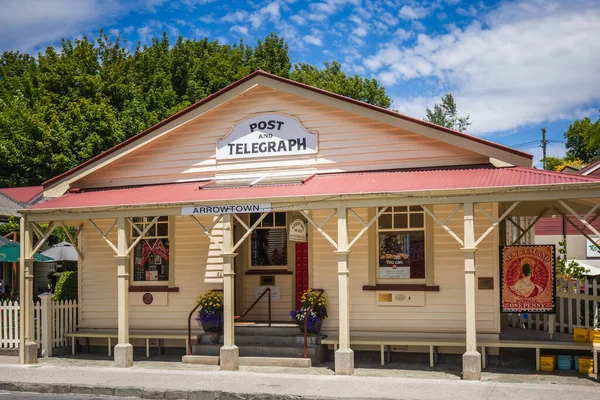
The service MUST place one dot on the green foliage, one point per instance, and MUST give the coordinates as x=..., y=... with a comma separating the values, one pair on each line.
x=57, y=236
x=69, y=104
x=583, y=140
x=446, y=114
x=66, y=287
x=333, y=79
x=558, y=164
x=567, y=269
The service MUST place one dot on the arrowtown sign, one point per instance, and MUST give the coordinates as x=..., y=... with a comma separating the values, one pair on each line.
x=267, y=135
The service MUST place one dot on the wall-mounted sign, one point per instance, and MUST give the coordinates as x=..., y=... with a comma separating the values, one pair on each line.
x=275, y=292
x=592, y=249
x=297, y=231
x=267, y=135
x=394, y=255
x=226, y=209
x=528, y=279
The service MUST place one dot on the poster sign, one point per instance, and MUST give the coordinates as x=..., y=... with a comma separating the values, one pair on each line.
x=394, y=255
x=267, y=135
x=275, y=292
x=528, y=279
x=297, y=231
x=226, y=209
x=592, y=248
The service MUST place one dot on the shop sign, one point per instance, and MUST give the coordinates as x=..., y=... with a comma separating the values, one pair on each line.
x=592, y=249
x=528, y=279
x=297, y=231
x=226, y=209
x=267, y=135
x=275, y=292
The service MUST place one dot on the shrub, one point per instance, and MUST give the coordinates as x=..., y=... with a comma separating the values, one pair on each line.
x=66, y=287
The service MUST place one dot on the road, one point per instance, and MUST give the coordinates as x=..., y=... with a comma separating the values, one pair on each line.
x=39, y=396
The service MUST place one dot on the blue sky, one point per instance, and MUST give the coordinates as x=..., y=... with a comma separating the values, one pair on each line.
x=513, y=66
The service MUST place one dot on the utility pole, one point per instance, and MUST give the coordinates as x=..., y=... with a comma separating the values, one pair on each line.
x=544, y=143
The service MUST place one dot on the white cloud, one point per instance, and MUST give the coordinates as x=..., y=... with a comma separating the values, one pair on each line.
x=242, y=30
x=313, y=40
x=270, y=12
x=298, y=19
x=27, y=25
x=237, y=16
x=467, y=12
x=413, y=12
x=525, y=66
x=360, y=31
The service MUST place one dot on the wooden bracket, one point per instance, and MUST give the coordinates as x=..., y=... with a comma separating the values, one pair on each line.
x=319, y=227
x=105, y=234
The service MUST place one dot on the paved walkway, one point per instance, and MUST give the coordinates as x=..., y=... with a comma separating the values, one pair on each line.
x=173, y=380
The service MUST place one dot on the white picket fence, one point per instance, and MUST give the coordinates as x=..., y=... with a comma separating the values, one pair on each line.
x=577, y=306
x=64, y=320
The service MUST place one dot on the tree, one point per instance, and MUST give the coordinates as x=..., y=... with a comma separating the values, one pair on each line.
x=583, y=140
x=558, y=163
x=446, y=114
x=66, y=105
x=334, y=79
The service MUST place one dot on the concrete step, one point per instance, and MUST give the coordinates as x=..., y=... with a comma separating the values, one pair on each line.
x=317, y=354
x=264, y=330
x=271, y=340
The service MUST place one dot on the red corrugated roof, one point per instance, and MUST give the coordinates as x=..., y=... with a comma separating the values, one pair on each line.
x=402, y=181
x=293, y=83
x=23, y=194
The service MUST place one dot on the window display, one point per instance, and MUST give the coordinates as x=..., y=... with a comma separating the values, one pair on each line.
x=268, y=242
x=151, y=254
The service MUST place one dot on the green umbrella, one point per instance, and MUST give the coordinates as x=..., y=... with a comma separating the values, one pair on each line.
x=11, y=252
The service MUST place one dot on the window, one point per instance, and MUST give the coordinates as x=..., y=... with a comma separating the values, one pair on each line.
x=401, y=243
x=268, y=243
x=151, y=255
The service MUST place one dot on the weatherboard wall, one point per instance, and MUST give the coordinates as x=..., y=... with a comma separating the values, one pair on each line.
x=198, y=267
x=346, y=142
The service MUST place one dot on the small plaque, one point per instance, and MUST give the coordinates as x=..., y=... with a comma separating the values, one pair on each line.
x=485, y=283
x=385, y=298
x=147, y=298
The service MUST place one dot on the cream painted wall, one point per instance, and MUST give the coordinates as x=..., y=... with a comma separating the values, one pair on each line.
x=198, y=267
x=198, y=264
x=444, y=311
x=347, y=142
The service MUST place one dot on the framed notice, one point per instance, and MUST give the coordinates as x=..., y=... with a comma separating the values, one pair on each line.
x=528, y=279
x=592, y=249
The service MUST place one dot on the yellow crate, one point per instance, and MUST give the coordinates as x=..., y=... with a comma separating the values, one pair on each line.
x=581, y=335
x=586, y=365
x=547, y=362
x=594, y=336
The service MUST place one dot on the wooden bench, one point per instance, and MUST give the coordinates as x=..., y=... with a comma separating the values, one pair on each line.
x=384, y=343
x=433, y=344
x=146, y=335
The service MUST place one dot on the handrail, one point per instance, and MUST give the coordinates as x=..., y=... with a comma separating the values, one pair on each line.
x=256, y=302
x=306, y=320
x=189, y=349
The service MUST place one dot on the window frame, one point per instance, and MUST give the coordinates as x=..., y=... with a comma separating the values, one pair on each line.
x=426, y=229
x=170, y=237
x=261, y=226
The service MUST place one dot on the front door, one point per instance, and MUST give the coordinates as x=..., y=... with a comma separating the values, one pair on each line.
x=301, y=270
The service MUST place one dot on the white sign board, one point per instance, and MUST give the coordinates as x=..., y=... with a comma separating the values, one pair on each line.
x=226, y=209
x=394, y=272
x=297, y=231
x=275, y=292
x=592, y=249
x=267, y=135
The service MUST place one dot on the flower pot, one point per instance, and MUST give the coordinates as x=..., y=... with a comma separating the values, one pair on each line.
x=211, y=321
x=312, y=328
